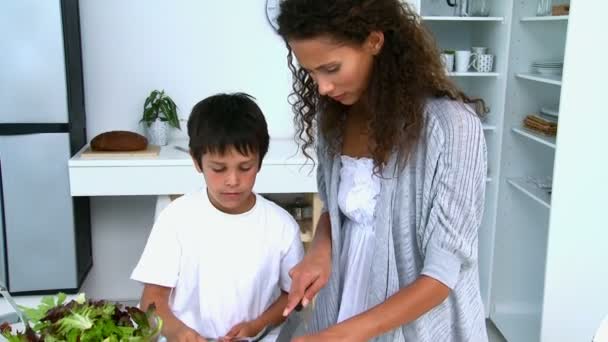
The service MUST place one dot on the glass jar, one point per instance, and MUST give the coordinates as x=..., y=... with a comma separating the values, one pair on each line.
x=543, y=8
x=479, y=8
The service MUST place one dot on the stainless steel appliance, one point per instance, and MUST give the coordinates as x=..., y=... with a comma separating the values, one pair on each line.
x=45, y=234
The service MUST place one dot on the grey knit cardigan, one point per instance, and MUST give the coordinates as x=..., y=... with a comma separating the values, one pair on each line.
x=426, y=223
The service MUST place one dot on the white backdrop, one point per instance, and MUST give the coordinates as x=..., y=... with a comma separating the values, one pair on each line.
x=191, y=49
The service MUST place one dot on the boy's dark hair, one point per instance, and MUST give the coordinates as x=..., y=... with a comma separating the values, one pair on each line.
x=224, y=120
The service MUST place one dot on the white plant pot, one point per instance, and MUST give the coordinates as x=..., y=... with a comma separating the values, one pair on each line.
x=158, y=133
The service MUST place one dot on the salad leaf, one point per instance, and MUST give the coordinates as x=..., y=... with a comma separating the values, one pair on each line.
x=82, y=320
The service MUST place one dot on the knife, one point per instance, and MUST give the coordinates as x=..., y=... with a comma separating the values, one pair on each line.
x=179, y=148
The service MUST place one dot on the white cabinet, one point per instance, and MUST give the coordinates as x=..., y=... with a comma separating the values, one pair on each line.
x=542, y=247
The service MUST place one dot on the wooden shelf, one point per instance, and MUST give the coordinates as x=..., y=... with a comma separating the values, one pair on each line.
x=546, y=18
x=473, y=74
x=539, y=195
x=454, y=18
x=549, y=79
x=545, y=140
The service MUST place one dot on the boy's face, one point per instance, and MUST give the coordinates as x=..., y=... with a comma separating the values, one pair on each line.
x=230, y=178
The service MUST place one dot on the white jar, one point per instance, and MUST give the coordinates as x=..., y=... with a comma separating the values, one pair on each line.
x=158, y=133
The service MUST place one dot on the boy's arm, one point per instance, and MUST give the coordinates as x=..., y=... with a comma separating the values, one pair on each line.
x=173, y=328
x=272, y=317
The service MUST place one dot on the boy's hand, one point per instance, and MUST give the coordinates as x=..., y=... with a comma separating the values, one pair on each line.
x=243, y=329
x=185, y=334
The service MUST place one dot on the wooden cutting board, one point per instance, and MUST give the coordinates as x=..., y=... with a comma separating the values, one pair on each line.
x=150, y=152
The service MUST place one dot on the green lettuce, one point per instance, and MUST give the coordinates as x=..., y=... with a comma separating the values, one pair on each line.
x=82, y=320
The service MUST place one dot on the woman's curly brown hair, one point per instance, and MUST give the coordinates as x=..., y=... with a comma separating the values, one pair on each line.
x=406, y=72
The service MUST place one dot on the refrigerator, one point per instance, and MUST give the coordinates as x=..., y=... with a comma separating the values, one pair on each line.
x=45, y=234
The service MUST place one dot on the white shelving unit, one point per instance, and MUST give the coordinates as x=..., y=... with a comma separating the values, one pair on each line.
x=533, y=272
x=462, y=33
x=547, y=18
x=524, y=215
x=545, y=140
x=474, y=74
x=536, y=256
x=539, y=195
x=523, y=324
x=549, y=79
x=453, y=18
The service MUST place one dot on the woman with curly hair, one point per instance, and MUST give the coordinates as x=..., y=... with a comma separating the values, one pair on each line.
x=401, y=163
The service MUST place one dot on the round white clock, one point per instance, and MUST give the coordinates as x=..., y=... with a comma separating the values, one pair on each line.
x=272, y=12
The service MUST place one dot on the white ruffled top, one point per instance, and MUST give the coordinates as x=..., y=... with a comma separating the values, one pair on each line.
x=357, y=195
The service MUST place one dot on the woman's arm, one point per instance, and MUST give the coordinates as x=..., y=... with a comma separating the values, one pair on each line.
x=310, y=275
x=173, y=328
x=403, y=307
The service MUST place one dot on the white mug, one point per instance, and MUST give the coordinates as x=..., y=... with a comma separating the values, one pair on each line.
x=483, y=63
x=479, y=50
x=463, y=58
x=448, y=61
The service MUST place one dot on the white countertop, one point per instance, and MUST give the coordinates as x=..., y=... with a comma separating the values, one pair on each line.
x=280, y=152
x=284, y=170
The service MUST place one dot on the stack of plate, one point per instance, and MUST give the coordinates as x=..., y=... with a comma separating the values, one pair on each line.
x=548, y=67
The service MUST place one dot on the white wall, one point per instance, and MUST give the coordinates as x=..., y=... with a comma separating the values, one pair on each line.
x=191, y=49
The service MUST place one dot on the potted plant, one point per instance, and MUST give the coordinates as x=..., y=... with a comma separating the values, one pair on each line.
x=160, y=113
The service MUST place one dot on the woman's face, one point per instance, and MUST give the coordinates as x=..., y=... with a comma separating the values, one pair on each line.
x=340, y=71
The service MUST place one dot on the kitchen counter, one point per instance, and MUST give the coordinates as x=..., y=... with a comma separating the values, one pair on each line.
x=284, y=170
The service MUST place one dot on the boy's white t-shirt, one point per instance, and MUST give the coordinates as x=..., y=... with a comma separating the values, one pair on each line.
x=225, y=269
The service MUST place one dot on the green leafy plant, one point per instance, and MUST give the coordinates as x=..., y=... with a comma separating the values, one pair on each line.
x=160, y=106
x=82, y=320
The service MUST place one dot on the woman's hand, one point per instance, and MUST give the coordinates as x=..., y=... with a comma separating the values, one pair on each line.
x=307, y=278
x=243, y=329
x=184, y=334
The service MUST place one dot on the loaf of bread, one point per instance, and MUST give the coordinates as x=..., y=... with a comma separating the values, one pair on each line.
x=119, y=141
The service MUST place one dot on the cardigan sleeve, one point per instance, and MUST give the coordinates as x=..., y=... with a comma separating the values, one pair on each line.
x=450, y=236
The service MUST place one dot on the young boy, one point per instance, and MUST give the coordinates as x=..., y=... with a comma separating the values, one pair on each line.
x=216, y=263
